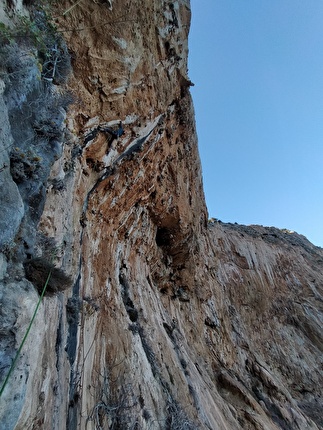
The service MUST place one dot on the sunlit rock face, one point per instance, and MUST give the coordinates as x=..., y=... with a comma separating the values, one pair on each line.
x=155, y=318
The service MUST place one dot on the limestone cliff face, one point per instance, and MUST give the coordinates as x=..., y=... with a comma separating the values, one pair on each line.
x=154, y=318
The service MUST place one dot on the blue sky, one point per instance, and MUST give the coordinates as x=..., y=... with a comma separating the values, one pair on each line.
x=257, y=66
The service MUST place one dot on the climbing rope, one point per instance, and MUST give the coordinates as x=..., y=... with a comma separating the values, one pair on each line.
x=13, y=364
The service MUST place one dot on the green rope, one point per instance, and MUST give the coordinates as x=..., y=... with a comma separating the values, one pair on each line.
x=13, y=364
x=72, y=7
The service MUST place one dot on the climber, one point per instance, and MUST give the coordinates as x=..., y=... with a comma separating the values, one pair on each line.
x=120, y=130
x=114, y=133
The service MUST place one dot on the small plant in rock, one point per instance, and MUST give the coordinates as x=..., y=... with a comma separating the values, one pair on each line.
x=58, y=185
x=24, y=165
x=117, y=405
x=37, y=270
x=9, y=249
x=73, y=309
x=5, y=34
x=177, y=418
x=29, y=31
x=38, y=33
x=47, y=247
x=47, y=110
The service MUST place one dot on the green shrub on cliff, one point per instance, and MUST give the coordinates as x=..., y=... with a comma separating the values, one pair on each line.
x=40, y=35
